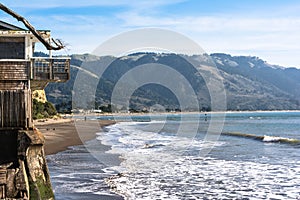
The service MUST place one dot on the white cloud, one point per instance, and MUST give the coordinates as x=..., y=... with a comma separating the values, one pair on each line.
x=213, y=23
x=275, y=36
x=276, y=30
x=276, y=40
x=37, y=4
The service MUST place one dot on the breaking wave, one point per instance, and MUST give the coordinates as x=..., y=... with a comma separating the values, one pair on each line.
x=265, y=138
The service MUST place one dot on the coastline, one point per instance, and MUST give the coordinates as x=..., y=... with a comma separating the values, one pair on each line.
x=78, y=175
x=81, y=115
x=64, y=134
x=61, y=134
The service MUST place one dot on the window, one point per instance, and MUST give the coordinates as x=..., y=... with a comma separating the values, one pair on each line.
x=12, y=47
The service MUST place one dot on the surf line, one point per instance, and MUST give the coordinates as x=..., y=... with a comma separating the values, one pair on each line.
x=264, y=138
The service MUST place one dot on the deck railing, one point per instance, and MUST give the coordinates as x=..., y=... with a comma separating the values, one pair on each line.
x=50, y=69
x=16, y=73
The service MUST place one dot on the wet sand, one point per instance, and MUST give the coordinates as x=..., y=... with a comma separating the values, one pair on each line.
x=63, y=133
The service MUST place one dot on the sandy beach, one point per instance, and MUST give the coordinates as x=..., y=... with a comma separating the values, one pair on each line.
x=63, y=133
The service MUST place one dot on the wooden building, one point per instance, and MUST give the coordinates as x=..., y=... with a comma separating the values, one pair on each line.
x=20, y=73
x=23, y=168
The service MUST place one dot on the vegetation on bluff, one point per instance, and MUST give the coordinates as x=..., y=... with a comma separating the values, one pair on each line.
x=42, y=110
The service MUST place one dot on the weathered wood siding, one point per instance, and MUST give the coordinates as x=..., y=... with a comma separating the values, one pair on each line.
x=14, y=70
x=13, y=85
x=15, y=109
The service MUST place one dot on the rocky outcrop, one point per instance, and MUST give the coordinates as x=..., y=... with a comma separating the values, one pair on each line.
x=39, y=95
x=27, y=175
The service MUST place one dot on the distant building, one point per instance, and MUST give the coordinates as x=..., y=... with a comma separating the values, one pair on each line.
x=97, y=111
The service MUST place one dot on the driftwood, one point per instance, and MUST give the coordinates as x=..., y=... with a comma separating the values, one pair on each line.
x=47, y=44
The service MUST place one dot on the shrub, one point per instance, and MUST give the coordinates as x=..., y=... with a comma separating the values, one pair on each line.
x=42, y=110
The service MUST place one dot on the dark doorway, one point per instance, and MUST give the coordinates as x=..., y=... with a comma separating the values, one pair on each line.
x=9, y=147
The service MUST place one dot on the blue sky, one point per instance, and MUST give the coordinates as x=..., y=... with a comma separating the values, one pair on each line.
x=269, y=29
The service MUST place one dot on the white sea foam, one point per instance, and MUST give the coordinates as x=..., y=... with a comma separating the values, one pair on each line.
x=125, y=137
x=267, y=138
x=209, y=178
x=160, y=165
x=174, y=170
x=271, y=138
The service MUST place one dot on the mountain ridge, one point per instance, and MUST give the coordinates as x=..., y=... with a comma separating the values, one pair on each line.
x=250, y=82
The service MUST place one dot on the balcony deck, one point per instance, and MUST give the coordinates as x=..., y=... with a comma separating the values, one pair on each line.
x=38, y=70
x=52, y=69
x=44, y=70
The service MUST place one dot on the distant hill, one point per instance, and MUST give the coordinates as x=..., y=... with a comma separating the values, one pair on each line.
x=250, y=83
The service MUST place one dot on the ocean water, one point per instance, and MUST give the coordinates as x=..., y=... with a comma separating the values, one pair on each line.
x=257, y=156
